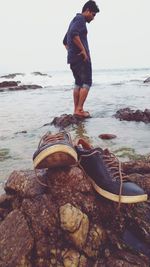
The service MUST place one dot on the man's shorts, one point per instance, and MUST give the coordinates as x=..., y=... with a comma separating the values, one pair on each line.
x=82, y=72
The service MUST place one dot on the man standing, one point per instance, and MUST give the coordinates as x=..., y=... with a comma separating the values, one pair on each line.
x=78, y=57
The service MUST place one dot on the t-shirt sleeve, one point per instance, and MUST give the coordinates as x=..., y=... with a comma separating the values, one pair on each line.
x=76, y=28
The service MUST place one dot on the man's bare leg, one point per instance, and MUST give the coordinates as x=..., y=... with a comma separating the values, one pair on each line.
x=83, y=92
x=76, y=92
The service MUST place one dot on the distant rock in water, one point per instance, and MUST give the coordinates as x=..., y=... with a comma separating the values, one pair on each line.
x=128, y=114
x=12, y=75
x=8, y=84
x=147, y=80
x=30, y=86
x=13, y=86
x=39, y=73
x=22, y=132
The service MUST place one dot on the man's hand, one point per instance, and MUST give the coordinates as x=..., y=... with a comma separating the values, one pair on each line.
x=84, y=55
x=79, y=44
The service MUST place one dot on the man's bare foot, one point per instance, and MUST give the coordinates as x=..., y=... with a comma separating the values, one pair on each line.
x=82, y=114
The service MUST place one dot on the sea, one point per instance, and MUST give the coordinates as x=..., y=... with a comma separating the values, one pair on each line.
x=26, y=115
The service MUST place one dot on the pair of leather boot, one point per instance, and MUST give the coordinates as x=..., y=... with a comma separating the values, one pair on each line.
x=101, y=166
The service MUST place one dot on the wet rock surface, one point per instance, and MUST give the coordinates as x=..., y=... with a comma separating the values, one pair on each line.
x=131, y=115
x=65, y=120
x=55, y=218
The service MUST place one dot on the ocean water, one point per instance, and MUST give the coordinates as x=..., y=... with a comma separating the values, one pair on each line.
x=23, y=114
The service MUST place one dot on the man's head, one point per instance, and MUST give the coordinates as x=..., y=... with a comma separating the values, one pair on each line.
x=89, y=10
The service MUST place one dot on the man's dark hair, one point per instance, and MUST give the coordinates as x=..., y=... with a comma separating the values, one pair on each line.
x=91, y=5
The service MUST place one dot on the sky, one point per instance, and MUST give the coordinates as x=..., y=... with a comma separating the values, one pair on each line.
x=32, y=32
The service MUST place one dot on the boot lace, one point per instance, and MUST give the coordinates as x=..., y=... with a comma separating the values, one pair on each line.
x=115, y=170
x=113, y=166
x=47, y=138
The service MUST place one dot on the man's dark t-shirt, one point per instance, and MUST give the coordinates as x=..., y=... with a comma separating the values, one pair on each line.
x=76, y=27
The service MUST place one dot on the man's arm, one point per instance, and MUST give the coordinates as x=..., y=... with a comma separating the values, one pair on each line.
x=77, y=28
x=78, y=43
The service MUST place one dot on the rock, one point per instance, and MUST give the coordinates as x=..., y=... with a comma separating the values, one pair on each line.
x=147, y=80
x=21, y=132
x=65, y=120
x=75, y=222
x=71, y=258
x=25, y=87
x=5, y=205
x=5, y=200
x=13, y=86
x=39, y=73
x=16, y=241
x=71, y=186
x=25, y=184
x=43, y=215
x=136, y=166
x=59, y=220
x=70, y=218
x=125, y=259
x=8, y=84
x=107, y=136
x=95, y=240
x=131, y=115
x=147, y=112
x=12, y=75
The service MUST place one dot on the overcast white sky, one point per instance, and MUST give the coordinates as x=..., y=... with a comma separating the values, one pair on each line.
x=32, y=32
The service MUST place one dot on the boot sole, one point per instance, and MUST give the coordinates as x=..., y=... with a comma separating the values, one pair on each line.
x=116, y=198
x=55, y=156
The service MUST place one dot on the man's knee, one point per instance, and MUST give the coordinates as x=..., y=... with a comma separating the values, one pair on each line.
x=86, y=86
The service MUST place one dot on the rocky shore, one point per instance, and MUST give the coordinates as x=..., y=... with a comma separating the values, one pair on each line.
x=58, y=219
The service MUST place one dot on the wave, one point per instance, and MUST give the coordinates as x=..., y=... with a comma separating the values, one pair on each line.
x=111, y=77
